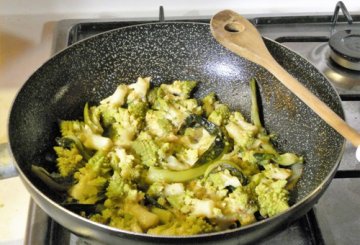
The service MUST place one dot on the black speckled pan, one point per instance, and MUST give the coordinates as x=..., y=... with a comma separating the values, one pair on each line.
x=91, y=70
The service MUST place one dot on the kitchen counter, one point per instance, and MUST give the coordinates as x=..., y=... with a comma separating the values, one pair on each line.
x=26, y=32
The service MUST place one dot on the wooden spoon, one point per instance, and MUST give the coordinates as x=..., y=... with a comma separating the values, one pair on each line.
x=238, y=35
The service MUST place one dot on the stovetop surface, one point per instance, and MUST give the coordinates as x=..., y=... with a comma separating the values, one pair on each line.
x=332, y=220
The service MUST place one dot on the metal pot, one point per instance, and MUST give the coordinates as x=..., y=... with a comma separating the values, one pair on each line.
x=90, y=70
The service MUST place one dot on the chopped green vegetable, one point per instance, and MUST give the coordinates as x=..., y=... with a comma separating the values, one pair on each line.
x=157, y=161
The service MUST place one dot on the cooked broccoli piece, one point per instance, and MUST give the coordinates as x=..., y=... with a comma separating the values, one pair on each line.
x=219, y=115
x=125, y=164
x=165, y=216
x=138, y=90
x=92, y=118
x=172, y=111
x=272, y=171
x=147, y=150
x=134, y=96
x=71, y=127
x=118, y=98
x=192, y=106
x=119, y=219
x=198, y=139
x=108, y=115
x=122, y=208
x=237, y=118
x=156, y=189
x=68, y=160
x=91, y=180
x=272, y=195
x=72, y=141
x=121, y=190
x=129, y=216
x=241, y=203
x=188, y=156
x=138, y=109
x=157, y=123
x=95, y=141
x=125, y=127
x=183, y=226
x=242, y=132
x=209, y=103
x=239, y=157
x=84, y=133
x=145, y=218
x=222, y=179
x=182, y=89
x=121, y=136
x=186, y=203
x=128, y=120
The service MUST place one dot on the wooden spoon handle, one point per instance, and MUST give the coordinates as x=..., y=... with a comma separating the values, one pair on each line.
x=238, y=35
x=318, y=106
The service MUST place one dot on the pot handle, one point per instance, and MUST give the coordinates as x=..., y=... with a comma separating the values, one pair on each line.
x=7, y=166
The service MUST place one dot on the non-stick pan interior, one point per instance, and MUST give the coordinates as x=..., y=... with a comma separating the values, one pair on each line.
x=91, y=70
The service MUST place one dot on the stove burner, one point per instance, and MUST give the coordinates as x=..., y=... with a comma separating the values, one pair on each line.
x=345, y=49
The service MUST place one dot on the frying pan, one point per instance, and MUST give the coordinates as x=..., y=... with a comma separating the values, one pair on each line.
x=91, y=70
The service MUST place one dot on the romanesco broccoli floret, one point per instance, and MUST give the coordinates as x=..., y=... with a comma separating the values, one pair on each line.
x=125, y=164
x=197, y=138
x=118, y=98
x=273, y=171
x=208, y=103
x=71, y=127
x=190, y=225
x=147, y=150
x=219, y=115
x=272, y=196
x=121, y=190
x=241, y=203
x=91, y=180
x=156, y=189
x=188, y=156
x=182, y=89
x=108, y=115
x=92, y=118
x=172, y=111
x=84, y=133
x=95, y=141
x=186, y=203
x=157, y=123
x=121, y=136
x=138, y=91
x=128, y=120
x=68, y=160
x=128, y=216
x=222, y=179
x=125, y=221
x=138, y=109
x=242, y=132
x=125, y=128
x=192, y=106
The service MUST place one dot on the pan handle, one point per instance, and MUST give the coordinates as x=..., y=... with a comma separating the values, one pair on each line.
x=7, y=166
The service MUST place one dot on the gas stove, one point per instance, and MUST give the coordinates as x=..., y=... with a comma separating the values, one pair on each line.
x=331, y=43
